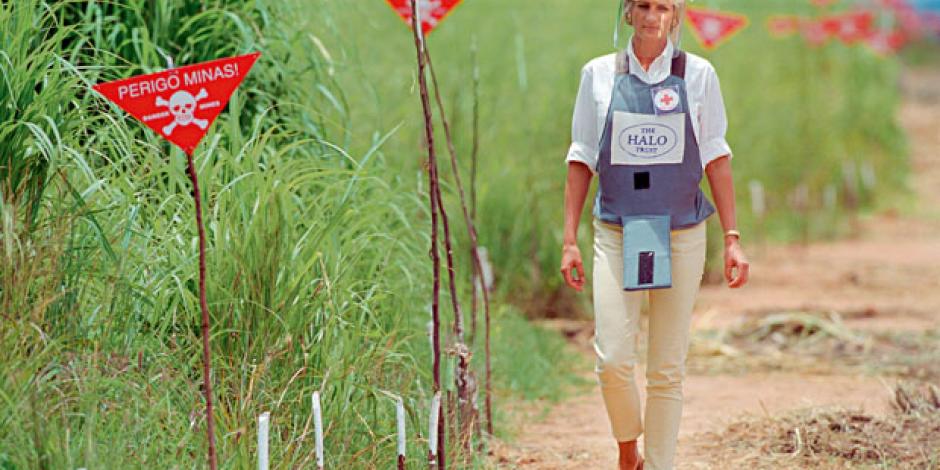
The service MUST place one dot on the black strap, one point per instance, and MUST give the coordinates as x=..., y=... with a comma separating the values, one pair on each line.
x=678, y=65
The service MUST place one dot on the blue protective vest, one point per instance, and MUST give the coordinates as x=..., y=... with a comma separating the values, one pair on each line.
x=649, y=161
x=649, y=168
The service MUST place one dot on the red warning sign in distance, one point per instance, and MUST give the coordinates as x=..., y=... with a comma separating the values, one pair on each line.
x=431, y=12
x=713, y=27
x=180, y=104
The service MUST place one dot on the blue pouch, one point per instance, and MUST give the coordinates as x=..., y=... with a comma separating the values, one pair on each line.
x=647, y=252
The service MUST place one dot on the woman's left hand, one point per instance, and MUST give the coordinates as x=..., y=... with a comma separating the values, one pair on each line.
x=735, y=259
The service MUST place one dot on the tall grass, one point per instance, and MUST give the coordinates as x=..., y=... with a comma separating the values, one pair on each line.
x=317, y=254
x=35, y=89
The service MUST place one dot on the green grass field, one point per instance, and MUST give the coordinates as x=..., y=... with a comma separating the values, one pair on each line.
x=316, y=212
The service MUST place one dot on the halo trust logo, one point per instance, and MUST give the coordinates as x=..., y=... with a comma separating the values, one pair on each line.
x=648, y=140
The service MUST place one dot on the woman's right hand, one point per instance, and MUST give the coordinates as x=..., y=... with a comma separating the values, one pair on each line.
x=571, y=261
x=576, y=188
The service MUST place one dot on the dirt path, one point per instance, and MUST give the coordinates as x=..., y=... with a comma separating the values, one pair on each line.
x=885, y=279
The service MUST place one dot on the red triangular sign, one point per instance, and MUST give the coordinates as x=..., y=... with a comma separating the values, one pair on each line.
x=712, y=27
x=180, y=104
x=851, y=27
x=885, y=43
x=783, y=25
x=431, y=12
x=816, y=32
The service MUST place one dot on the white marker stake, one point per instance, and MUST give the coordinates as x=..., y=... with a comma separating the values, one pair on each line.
x=758, y=201
x=263, y=421
x=400, y=416
x=868, y=176
x=431, y=339
x=830, y=197
x=432, y=427
x=486, y=267
x=318, y=428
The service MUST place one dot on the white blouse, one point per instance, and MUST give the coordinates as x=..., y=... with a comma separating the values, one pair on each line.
x=709, y=122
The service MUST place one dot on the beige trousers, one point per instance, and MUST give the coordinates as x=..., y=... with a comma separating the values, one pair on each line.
x=616, y=323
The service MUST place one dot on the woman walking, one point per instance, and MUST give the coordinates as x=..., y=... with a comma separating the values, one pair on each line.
x=648, y=121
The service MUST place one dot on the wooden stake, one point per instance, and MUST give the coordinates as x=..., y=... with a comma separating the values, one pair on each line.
x=204, y=307
x=471, y=231
x=473, y=179
x=432, y=191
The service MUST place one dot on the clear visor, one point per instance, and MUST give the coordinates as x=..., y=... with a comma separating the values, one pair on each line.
x=675, y=35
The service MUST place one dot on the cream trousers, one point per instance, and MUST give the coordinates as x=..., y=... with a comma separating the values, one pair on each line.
x=616, y=323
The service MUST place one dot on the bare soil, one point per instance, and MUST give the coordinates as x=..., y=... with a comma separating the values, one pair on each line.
x=885, y=278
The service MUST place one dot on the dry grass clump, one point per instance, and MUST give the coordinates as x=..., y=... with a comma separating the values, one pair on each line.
x=791, y=340
x=814, y=342
x=906, y=355
x=790, y=330
x=837, y=438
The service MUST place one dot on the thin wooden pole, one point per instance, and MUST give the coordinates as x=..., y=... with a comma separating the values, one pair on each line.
x=432, y=191
x=204, y=307
x=474, y=276
x=472, y=232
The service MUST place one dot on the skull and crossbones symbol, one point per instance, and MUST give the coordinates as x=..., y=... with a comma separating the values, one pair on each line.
x=182, y=105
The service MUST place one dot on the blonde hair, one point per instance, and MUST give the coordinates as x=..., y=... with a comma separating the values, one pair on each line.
x=675, y=29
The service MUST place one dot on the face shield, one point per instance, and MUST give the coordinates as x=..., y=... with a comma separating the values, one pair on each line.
x=623, y=16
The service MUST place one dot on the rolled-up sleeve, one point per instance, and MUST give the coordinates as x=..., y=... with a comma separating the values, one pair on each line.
x=584, y=124
x=714, y=121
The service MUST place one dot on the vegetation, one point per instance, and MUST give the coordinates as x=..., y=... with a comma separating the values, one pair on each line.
x=317, y=225
x=317, y=281
x=835, y=437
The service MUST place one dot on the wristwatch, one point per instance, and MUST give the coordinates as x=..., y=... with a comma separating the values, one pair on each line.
x=733, y=233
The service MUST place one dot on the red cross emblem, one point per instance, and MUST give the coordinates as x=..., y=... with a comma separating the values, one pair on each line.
x=666, y=99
